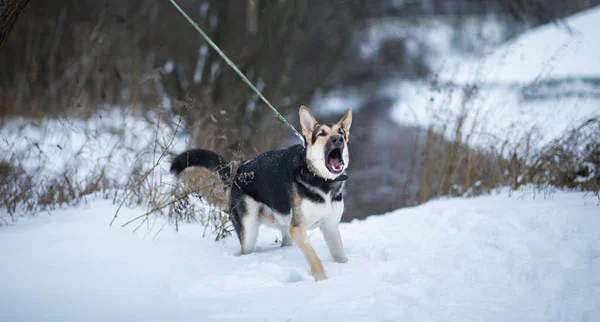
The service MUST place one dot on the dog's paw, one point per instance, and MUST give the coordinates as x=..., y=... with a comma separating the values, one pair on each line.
x=341, y=259
x=287, y=243
x=319, y=277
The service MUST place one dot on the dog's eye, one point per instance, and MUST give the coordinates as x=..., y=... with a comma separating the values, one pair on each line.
x=322, y=133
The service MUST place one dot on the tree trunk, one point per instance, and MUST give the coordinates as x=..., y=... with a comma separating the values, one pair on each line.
x=9, y=12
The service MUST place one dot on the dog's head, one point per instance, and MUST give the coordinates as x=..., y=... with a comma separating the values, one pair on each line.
x=326, y=144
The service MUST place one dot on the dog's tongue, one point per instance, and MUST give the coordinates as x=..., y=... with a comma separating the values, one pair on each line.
x=335, y=162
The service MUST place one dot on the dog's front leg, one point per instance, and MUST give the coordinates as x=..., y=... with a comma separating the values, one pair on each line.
x=298, y=234
x=332, y=236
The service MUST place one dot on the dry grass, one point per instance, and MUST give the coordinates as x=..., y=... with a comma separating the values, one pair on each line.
x=28, y=186
x=571, y=161
x=453, y=167
x=449, y=168
x=199, y=197
x=25, y=193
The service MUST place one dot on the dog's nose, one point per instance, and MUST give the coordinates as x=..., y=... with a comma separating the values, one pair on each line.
x=337, y=140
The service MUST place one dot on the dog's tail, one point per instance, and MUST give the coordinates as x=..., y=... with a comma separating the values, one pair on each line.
x=202, y=158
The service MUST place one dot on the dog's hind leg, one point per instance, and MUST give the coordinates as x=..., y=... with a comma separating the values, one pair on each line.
x=250, y=225
x=286, y=239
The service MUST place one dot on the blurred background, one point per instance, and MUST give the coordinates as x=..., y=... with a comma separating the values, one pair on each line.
x=451, y=97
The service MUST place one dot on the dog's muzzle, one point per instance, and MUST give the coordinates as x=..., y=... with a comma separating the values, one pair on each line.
x=333, y=154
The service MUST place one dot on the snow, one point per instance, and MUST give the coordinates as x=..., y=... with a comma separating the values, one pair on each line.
x=202, y=54
x=548, y=51
x=437, y=35
x=504, y=257
x=169, y=66
x=113, y=141
x=543, y=82
x=493, y=116
x=429, y=39
x=337, y=101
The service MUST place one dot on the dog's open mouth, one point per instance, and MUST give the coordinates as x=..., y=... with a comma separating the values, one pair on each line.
x=334, y=162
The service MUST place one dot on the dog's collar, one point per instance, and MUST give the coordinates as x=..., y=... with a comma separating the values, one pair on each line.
x=341, y=177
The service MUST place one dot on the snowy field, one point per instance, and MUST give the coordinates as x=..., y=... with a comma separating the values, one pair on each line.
x=545, y=81
x=113, y=140
x=111, y=150
x=522, y=257
x=566, y=49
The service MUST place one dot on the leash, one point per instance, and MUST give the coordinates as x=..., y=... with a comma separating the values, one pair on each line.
x=232, y=65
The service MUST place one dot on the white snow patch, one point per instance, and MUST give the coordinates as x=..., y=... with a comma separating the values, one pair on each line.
x=592, y=172
x=532, y=85
x=546, y=52
x=337, y=102
x=493, y=258
x=200, y=64
x=113, y=141
x=441, y=37
x=493, y=116
x=169, y=66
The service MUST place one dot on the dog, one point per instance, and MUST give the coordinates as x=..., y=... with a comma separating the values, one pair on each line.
x=295, y=189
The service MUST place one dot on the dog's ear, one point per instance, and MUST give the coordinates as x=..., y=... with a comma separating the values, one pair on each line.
x=307, y=120
x=346, y=121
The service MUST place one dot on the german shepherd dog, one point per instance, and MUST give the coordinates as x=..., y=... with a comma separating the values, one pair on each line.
x=293, y=189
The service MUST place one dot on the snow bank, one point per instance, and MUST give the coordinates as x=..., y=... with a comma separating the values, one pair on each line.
x=494, y=115
x=543, y=82
x=112, y=144
x=548, y=51
x=493, y=258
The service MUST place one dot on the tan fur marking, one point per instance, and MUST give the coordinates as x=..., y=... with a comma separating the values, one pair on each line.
x=297, y=217
x=298, y=234
x=316, y=267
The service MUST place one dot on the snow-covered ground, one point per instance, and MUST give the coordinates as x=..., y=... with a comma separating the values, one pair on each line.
x=111, y=149
x=522, y=257
x=113, y=140
x=494, y=115
x=546, y=81
x=567, y=49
